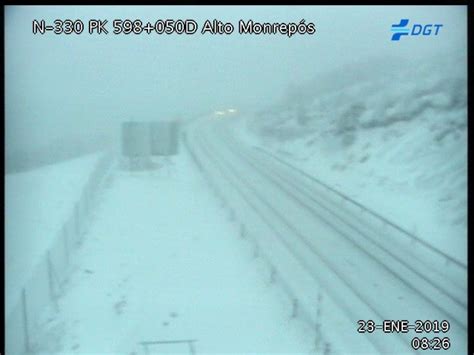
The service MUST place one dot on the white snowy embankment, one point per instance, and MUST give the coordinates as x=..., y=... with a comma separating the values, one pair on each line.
x=396, y=142
x=161, y=261
x=37, y=203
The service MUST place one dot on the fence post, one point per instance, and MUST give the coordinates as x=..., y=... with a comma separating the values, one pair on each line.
x=25, y=321
x=272, y=275
x=191, y=348
x=318, y=320
x=76, y=222
x=82, y=210
x=66, y=246
x=85, y=196
x=51, y=281
x=90, y=192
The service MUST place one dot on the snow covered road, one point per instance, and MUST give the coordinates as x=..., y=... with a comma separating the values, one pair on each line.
x=279, y=266
x=368, y=272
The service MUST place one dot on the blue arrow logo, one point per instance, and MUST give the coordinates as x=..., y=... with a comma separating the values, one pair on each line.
x=400, y=29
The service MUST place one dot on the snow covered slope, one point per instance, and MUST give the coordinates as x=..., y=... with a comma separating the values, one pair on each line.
x=395, y=142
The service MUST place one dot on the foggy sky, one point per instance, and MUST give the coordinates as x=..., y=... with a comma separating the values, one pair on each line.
x=83, y=84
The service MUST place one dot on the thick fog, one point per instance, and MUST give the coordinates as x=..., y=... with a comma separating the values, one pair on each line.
x=244, y=193
x=66, y=90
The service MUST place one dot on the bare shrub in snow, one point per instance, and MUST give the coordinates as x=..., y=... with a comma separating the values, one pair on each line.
x=348, y=122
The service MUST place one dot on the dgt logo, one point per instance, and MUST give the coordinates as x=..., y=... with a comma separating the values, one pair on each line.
x=402, y=29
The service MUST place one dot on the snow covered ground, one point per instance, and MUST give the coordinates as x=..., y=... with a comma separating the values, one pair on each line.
x=37, y=203
x=162, y=261
x=396, y=141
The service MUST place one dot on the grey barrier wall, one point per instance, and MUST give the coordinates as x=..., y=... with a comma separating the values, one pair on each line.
x=135, y=139
x=142, y=139
x=159, y=137
x=174, y=137
x=47, y=280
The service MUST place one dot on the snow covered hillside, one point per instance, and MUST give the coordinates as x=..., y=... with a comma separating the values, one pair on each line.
x=392, y=137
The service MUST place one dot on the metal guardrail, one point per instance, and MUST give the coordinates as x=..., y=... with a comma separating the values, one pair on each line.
x=370, y=211
x=296, y=300
x=189, y=342
x=378, y=217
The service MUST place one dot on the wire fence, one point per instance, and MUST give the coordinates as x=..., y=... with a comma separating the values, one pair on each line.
x=49, y=276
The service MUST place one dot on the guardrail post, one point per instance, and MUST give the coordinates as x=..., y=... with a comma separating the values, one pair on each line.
x=25, y=322
x=318, y=305
x=242, y=231
x=327, y=349
x=294, y=313
x=191, y=348
x=318, y=320
x=273, y=275
x=255, y=251
x=317, y=340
